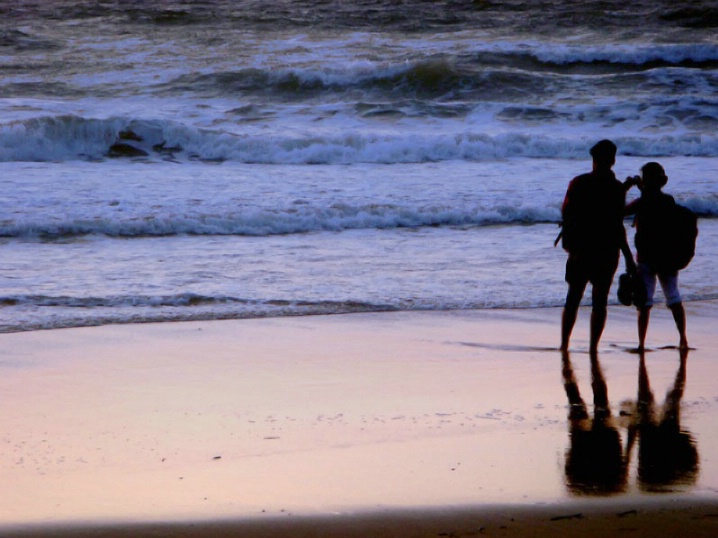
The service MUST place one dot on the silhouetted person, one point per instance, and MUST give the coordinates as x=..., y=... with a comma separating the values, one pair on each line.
x=651, y=211
x=593, y=235
x=667, y=455
x=595, y=464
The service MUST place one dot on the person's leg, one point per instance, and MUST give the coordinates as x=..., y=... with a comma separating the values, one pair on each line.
x=674, y=301
x=577, y=279
x=601, y=276
x=570, y=311
x=644, y=312
x=644, y=315
x=679, y=316
x=598, y=323
x=599, y=312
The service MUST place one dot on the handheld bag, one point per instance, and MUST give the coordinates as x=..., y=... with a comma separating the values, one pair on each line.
x=625, y=289
x=631, y=290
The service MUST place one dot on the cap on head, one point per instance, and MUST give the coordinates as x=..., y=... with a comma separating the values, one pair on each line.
x=653, y=175
x=604, y=152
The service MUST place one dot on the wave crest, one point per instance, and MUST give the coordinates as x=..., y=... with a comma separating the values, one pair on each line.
x=63, y=138
x=693, y=55
x=273, y=221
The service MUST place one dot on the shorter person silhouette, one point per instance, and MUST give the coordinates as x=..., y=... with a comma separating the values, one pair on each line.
x=651, y=210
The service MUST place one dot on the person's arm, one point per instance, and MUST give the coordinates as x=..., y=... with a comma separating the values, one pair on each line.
x=631, y=181
x=564, y=207
x=627, y=254
x=567, y=196
x=632, y=208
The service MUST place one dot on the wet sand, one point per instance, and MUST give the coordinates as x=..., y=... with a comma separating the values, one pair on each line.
x=392, y=424
x=640, y=518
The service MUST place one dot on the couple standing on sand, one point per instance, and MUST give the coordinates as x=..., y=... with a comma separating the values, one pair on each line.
x=593, y=235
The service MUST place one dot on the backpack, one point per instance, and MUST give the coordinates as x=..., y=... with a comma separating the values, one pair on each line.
x=592, y=214
x=683, y=238
x=667, y=240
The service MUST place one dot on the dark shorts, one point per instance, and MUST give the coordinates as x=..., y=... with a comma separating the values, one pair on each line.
x=598, y=270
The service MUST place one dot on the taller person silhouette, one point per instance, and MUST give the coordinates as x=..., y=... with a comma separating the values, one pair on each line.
x=593, y=235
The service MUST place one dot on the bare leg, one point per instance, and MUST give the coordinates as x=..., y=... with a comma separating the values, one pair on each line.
x=644, y=315
x=598, y=322
x=679, y=316
x=570, y=312
x=568, y=320
x=599, y=313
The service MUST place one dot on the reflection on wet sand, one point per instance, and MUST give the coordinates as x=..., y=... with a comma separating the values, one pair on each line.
x=598, y=460
x=595, y=462
x=667, y=455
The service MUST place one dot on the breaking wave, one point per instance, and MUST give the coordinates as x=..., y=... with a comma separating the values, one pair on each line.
x=68, y=311
x=66, y=138
x=306, y=218
x=274, y=221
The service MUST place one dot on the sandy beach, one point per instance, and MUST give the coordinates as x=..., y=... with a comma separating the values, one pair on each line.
x=390, y=424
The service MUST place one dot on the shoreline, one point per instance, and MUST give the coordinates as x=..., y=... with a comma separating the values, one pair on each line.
x=703, y=307
x=331, y=423
x=355, y=309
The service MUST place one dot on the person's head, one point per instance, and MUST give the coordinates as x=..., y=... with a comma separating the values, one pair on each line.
x=653, y=176
x=604, y=154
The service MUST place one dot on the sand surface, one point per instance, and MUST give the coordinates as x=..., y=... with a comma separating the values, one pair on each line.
x=397, y=420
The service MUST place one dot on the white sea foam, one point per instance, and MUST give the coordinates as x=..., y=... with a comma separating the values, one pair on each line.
x=273, y=222
x=71, y=137
x=140, y=199
x=625, y=53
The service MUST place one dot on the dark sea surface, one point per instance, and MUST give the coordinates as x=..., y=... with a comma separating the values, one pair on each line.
x=165, y=161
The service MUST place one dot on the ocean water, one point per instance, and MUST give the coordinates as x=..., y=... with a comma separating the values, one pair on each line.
x=176, y=160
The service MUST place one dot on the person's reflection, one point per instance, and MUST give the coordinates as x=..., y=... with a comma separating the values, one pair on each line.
x=667, y=455
x=595, y=464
